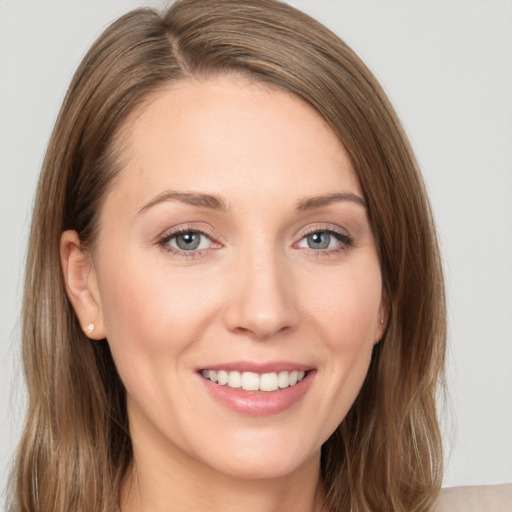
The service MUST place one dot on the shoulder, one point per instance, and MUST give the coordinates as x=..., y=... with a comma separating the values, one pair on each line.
x=478, y=498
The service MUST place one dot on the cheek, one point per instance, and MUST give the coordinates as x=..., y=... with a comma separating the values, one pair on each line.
x=345, y=321
x=347, y=307
x=151, y=312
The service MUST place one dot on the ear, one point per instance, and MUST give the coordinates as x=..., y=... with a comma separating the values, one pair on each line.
x=382, y=319
x=81, y=285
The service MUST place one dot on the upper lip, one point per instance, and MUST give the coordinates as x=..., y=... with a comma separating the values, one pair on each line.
x=251, y=366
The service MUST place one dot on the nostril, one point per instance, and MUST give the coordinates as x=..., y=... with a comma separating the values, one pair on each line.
x=263, y=331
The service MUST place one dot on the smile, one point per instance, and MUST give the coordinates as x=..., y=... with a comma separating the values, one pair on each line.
x=251, y=381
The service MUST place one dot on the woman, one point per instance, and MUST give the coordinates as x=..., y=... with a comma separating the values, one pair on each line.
x=233, y=292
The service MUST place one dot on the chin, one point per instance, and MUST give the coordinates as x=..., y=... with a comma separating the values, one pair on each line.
x=262, y=468
x=268, y=459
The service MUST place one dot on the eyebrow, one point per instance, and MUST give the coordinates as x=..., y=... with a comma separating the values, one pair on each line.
x=214, y=202
x=200, y=200
x=311, y=203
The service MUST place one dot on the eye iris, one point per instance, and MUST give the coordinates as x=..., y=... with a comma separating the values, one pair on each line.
x=319, y=240
x=188, y=241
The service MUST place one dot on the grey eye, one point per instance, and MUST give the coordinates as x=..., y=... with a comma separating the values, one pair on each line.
x=190, y=241
x=324, y=240
x=320, y=240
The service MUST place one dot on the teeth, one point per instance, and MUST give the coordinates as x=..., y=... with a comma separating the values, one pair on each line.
x=222, y=377
x=268, y=382
x=250, y=381
x=283, y=379
x=234, y=380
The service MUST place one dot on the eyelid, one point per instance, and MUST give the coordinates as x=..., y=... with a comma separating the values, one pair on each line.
x=188, y=228
x=341, y=234
x=324, y=227
x=164, y=239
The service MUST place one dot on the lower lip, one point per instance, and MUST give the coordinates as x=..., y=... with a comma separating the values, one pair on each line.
x=259, y=403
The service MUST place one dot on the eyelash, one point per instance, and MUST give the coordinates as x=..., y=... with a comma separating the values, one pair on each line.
x=164, y=242
x=345, y=241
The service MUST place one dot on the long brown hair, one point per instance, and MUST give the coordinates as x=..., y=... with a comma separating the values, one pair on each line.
x=76, y=449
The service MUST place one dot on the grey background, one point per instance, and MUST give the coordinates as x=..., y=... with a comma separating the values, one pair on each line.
x=447, y=66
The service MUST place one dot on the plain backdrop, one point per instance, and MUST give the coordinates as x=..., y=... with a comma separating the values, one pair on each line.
x=447, y=67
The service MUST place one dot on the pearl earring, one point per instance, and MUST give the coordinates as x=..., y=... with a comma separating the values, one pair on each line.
x=90, y=328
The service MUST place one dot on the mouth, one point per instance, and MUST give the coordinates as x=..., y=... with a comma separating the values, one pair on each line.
x=257, y=389
x=252, y=381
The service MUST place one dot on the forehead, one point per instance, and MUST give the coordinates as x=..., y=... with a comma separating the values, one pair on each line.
x=231, y=137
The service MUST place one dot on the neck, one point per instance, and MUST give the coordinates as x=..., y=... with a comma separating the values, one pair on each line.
x=153, y=487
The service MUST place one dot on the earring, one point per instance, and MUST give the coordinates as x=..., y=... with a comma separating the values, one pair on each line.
x=90, y=328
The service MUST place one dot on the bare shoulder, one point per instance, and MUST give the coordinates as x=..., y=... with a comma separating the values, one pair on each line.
x=478, y=498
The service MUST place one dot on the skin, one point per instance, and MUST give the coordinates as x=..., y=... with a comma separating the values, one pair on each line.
x=255, y=291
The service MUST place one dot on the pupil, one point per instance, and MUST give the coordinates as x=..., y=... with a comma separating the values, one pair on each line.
x=319, y=240
x=188, y=241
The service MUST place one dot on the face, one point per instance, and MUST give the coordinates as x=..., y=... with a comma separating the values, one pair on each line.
x=236, y=279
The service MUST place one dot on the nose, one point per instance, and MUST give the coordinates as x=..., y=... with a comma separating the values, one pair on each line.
x=262, y=299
